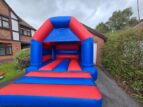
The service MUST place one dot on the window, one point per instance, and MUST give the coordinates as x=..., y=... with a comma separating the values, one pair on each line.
x=4, y=22
x=5, y=49
x=25, y=31
x=32, y=32
x=13, y=16
x=0, y=23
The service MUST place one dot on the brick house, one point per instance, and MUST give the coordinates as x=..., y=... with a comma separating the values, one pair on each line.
x=15, y=34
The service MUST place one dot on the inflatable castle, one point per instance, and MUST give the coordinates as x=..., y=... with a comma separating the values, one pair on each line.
x=61, y=71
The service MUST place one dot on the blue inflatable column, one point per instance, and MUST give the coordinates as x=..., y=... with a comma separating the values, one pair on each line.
x=87, y=52
x=36, y=53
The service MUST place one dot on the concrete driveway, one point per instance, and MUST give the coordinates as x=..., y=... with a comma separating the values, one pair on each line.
x=113, y=95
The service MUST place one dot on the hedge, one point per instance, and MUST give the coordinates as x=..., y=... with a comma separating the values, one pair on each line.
x=123, y=58
x=23, y=58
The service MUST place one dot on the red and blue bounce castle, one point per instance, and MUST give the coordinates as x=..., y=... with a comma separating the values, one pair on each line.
x=61, y=73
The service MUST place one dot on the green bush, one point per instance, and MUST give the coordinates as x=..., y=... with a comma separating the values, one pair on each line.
x=123, y=57
x=23, y=58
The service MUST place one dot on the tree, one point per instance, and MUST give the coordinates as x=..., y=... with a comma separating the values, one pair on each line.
x=103, y=28
x=133, y=21
x=121, y=19
x=118, y=20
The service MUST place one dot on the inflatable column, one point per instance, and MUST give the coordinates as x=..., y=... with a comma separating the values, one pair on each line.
x=36, y=53
x=87, y=53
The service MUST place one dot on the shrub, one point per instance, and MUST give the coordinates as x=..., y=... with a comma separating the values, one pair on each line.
x=123, y=57
x=23, y=58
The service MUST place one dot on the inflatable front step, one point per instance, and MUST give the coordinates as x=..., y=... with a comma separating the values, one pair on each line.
x=43, y=89
x=64, y=78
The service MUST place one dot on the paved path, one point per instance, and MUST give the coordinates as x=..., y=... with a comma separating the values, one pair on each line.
x=113, y=95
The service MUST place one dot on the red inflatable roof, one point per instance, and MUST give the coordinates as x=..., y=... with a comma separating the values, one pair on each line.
x=62, y=22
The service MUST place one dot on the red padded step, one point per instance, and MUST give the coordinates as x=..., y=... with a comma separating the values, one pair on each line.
x=60, y=74
x=67, y=47
x=68, y=91
x=74, y=65
x=46, y=57
x=63, y=56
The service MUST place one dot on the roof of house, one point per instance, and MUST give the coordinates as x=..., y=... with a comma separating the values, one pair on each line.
x=95, y=32
x=22, y=22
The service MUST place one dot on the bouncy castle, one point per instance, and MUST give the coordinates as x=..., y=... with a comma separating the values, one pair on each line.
x=61, y=71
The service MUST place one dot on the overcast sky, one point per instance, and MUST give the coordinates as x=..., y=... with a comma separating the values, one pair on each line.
x=89, y=12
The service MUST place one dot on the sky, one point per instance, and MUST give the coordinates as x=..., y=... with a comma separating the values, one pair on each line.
x=89, y=12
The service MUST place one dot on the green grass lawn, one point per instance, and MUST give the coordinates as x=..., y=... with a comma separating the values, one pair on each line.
x=11, y=71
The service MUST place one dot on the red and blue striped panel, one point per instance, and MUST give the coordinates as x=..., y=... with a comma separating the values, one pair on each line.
x=62, y=64
x=63, y=56
x=49, y=80
x=69, y=91
x=46, y=58
x=74, y=65
x=62, y=22
x=41, y=95
x=51, y=65
x=67, y=47
x=66, y=78
x=43, y=31
x=79, y=29
x=60, y=74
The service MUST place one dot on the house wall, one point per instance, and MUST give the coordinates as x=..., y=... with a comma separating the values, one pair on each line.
x=3, y=9
x=5, y=34
x=11, y=35
x=25, y=38
x=16, y=46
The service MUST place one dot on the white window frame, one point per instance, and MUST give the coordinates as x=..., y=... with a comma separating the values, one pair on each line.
x=95, y=53
x=13, y=15
x=32, y=32
x=15, y=25
x=15, y=36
